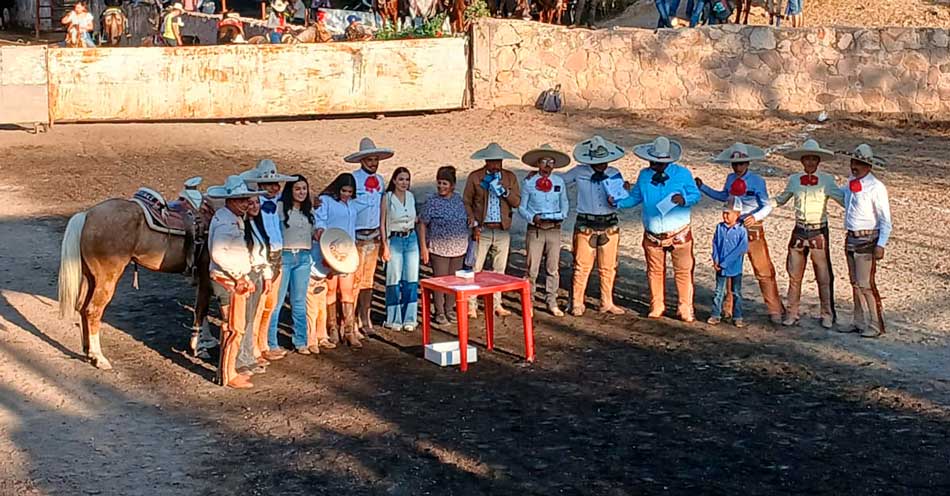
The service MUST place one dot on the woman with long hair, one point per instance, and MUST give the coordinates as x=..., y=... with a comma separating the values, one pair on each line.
x=400, y=251
x=338, y=208
x=443, y=235
x=296, y=222
x=258, y=245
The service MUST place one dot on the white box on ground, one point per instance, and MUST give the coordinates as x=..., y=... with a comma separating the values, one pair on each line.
x=445, y=354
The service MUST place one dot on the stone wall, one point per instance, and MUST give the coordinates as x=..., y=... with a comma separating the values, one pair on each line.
x=728, y=68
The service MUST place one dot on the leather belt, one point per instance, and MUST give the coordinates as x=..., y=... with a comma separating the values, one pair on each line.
x=401, y=234
x=864, y=233
x=493, y=225
x=811, y=227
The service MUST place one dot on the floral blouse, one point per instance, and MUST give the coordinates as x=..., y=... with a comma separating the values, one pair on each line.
x=446, y=221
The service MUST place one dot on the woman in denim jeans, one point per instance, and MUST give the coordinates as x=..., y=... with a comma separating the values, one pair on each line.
x=296, y=222
x=397, y=223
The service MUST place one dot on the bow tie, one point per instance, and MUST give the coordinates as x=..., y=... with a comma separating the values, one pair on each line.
x=269, y=206
x=809, y=180
x=659, y=178
x=855, y=185
x=738, y=188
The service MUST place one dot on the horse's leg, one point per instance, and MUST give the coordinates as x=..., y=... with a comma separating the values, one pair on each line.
x=101, y=293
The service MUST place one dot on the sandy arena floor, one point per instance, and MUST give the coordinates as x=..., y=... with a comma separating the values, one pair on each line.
x=614, y=405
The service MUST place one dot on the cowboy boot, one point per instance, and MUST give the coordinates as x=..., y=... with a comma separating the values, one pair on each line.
x=333, y=328
x=350, y=336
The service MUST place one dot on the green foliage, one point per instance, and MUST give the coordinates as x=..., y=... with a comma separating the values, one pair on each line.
x=476, y=10
x=429, y=29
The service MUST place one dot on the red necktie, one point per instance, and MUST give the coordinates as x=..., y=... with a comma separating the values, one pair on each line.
x=371, y=184
x=738, y=187
x=543, y=184
x=855, y=185
x=809, y=180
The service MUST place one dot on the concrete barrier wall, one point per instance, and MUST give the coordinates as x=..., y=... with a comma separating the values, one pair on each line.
x=23, y=87
x=245, y=81
x=729, y=68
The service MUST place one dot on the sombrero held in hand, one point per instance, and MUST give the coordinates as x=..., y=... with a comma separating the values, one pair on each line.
x=339, y=251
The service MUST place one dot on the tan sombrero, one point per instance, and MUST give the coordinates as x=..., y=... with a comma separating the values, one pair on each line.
x=266, y=172
x=493, y=151
x=339, y=251
x=661, y=150
x=596, y=150
x=368, y=149
x=234, y=187
x=809, y=147
x=531, y=157
x=863, y=153
x=739, y=153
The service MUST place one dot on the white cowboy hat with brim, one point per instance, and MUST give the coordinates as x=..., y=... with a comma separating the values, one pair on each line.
x=493, y=151
x=191, y=192
x=732, y=204
x=864, y=153
x=661, y=150
x=368, y=149
x=596, y=150
x=531, y=157
x=278, y=5
x=233, y=188
x=739, y=153
x=809, y=147
x=339, y=251
x=177, y=6
x=233, y=15
x=266, y=172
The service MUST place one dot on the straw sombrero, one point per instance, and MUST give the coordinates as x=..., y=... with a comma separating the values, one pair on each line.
x=368, y=149
x=597, y=150
x=339, y=251
x=531, y=157
x=739, y=153
x=809, y=147
x=493, y=151
x=863, y=153
x=234, y=187
x=661, y=150
x=266, y=172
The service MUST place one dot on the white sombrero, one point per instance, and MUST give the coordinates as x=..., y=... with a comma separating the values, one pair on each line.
x=191, y=192
x=661, y=150
x=596, y=150
x=863, y=153
x=339, y=251
x=278, y=5
x=531, y=157
x=809, y=147
x=493, y=151
x=368, y=149
x=234, y=187
x=177, y=6
x=739, y=153
x=266, y=172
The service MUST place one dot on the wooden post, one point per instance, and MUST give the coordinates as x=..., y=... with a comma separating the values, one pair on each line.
x=224, y=7
x=263, y=11
x=37, y=27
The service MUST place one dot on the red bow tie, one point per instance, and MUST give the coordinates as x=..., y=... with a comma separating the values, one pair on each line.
x=855, y=185
x=809, y=180
x=738, y=187
x=543, y=184
x=372, y=183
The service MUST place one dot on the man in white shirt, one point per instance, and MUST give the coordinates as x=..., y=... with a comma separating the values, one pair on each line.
x=596, y=230
x=268, y=180
x=544, y=206
x=230, y=269
x=368, y=182
x=867, y=219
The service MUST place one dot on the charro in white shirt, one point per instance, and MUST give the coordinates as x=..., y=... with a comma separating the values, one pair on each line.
x=868, y=209
x=272, y=224
x=229, y=253
x=368, y=218
x=553, y=203
x=591, y=197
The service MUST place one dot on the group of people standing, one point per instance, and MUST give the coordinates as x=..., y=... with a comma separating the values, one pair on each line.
x=275, y=239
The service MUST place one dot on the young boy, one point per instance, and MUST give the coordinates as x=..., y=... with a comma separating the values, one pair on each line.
x=730, y=244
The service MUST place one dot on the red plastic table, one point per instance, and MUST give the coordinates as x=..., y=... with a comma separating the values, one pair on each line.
x=485, y=284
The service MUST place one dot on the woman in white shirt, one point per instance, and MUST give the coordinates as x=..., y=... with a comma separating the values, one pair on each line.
x=258, y=244
x=338, y=209
x=400, y=251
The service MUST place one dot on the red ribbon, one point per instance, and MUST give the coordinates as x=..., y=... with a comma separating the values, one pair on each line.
x=855, y=185
x=738, y=187
x=809, y=180
x=371, y=184
x=543, y=184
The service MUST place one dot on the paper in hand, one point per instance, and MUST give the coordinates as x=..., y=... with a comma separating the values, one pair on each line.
x=666, y=204
x=613, y=186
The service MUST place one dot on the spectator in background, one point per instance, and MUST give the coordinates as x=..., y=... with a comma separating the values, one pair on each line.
x=171, y=26
x=795, y=14
x=667, y=10
x=190, y=5
x=277, y=21
x=207, y=6
x=298, y=13
x=356, y=31
x=79, y=24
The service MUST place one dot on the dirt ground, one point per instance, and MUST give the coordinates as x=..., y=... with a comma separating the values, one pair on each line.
x=613, y=406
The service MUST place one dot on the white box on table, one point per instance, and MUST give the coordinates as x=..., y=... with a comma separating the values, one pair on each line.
x=465, y=274
x=448, y=353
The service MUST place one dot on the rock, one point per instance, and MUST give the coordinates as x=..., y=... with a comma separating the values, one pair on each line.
x=505, y=35
x=939, y=38
x=576, y=62
x=506, y=58
x=845, y=40
x=825, y=98
x=873, y=97
x=751, y=60
x=837, y=84
x=762, y=38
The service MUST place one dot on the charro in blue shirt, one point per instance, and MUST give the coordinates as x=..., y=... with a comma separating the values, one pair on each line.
x=755, y=200
x=730, y=245
x=649, y=192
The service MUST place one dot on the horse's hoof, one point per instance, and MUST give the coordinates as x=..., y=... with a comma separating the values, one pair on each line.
x=100, y=363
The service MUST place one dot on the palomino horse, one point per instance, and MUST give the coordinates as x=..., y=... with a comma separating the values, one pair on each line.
x=98, y=245
x=114, y=24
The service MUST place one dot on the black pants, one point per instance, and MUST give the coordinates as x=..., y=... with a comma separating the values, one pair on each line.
x=444, y=266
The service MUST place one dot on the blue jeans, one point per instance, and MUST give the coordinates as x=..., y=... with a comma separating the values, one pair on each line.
x=274, y=37
x=794, y=7
x=667, y=10
x=695, y=11
x=295, y=278
x=402, y=280
x=721, y=295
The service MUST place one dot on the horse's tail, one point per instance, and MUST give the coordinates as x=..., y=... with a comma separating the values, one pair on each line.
x=70, y=267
